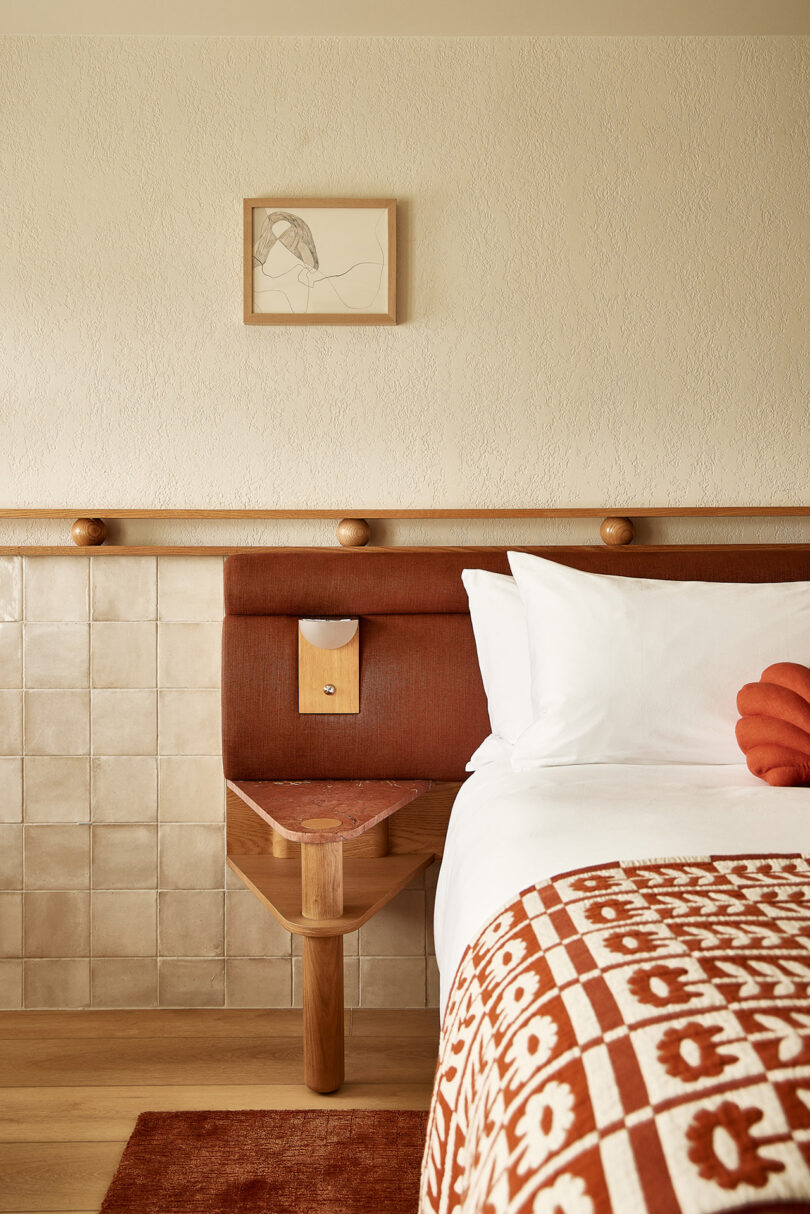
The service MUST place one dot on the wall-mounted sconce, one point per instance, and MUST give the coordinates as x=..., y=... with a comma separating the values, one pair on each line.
x=328, y=666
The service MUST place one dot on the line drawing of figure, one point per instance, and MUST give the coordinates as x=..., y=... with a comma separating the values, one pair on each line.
x=287, y=274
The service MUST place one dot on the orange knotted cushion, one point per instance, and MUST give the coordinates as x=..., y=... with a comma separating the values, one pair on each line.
x=774, y=729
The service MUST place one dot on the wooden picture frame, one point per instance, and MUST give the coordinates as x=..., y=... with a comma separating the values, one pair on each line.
x=320, y=261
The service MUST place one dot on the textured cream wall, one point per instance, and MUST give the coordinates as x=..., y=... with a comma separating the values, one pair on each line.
x=603, y=290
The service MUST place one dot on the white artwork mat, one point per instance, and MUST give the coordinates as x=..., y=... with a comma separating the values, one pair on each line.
x=320, y=260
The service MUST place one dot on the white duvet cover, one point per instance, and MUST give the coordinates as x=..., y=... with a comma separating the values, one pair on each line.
x=510, y=829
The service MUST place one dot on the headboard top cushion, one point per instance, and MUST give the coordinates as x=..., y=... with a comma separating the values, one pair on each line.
x=324, y=581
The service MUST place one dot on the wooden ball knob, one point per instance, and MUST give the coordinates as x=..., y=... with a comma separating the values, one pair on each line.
x=353, y=532
x=617, y=531
x=88, y=532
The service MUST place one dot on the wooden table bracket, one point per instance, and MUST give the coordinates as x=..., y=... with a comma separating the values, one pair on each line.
x=323, y=858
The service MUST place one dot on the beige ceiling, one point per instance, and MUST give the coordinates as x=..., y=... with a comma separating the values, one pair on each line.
x=396, y=17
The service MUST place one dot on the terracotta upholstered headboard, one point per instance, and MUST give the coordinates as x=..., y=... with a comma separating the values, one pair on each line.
x=422, y=705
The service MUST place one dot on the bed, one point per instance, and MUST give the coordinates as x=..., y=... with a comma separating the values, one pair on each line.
x=624, y=952
x=671, y=1069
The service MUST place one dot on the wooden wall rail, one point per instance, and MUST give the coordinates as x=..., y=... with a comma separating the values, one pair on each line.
x=531, y=512
x=89, y=529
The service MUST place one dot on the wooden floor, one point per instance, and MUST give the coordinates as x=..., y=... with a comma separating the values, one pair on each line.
x=73, y=1083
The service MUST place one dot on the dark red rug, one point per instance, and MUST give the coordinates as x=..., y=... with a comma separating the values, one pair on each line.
x=300, y=1161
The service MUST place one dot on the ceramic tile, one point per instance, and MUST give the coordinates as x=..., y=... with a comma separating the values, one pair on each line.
x=351, y=940
x=57, y=790
x=191, y=789
x=124, y=654
x=10, y=790
x=11, y=973
x=190, y=588
x=10, y=723
x=11, y=655
x=124, y=588
x=10, y=588
x=124, y=722
x=189, y=723
x=232, y=881
x=56, y=588
x=191, y=983
x=432, y=875
x=11, y=925
x=124, y=981
x=11, y=857
x=192, y=923
x=124, y=857
x=258, y=982
x=57, y=983
x=124, y=788
x=57, y=722
x=192, y=857
x=433, y=986
x=430, y=907
x=124, y=923
x=189, y=655
x=392, y=981
x=351, y=984
x=57, y=924
x=57, y=655
x=250, y=929
x=398, y=930
x=57, y=857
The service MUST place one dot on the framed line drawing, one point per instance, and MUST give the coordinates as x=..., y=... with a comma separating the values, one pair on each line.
x=320, y=261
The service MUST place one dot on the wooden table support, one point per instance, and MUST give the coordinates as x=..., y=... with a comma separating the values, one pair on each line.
x=322, y=898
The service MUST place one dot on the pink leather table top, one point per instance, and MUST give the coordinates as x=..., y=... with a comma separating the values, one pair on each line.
x=325, y=811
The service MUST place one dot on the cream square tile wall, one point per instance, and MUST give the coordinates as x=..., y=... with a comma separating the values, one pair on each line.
x=113, y=887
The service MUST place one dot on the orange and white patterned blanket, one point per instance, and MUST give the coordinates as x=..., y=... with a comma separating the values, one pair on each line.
x=631, y=1038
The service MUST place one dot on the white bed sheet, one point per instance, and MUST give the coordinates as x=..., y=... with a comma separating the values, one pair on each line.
x=510, y=829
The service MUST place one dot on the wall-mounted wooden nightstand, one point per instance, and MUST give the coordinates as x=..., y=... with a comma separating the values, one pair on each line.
x=323, y=856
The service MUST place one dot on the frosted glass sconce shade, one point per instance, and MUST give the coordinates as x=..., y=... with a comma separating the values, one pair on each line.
x=328, y=634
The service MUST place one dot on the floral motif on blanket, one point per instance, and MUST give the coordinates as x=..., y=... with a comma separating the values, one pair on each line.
x=631, y=1038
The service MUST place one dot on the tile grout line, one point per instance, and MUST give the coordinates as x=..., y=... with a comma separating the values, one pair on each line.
x=23, y=806
x=91, y=749
x=156, y=607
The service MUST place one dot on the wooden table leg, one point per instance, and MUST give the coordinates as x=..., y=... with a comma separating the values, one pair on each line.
x=322, y=898
x=323, y=1012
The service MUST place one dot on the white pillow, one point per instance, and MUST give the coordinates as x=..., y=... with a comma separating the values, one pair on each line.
x=499, y=624
x=636, y=670
x=491, y=750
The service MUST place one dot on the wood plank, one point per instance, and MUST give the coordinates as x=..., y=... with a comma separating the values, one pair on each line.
x=208, y=1022
x=94, y=1114
x=421, y=826
x=368, y=884
x=248, y=833
x=409, y=1022
x=56, y=1175
x=169, y=1022
x=201, y=1060
x=441, y=513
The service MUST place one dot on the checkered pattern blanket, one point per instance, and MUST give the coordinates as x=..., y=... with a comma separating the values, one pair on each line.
x=628, y=1038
